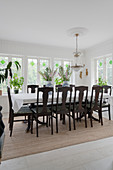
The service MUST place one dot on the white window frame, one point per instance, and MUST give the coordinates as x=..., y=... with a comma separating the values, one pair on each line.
x=104, y=67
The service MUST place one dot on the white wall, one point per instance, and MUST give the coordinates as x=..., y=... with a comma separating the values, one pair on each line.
x=25, y=49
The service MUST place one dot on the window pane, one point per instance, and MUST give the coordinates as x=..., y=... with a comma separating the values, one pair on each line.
x=57, y=63
x=67, y=64
x=100, y=68
x=43, y=65
x=3, y=64
x=32, y=71
x=14, y=70
x=109, y=70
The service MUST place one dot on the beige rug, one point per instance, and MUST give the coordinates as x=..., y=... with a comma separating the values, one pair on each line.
x=21, y=143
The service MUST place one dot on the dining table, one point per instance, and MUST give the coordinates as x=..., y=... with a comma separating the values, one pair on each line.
x=18, y=100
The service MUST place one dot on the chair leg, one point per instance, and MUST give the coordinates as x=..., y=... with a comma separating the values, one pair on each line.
x=77, y=116
x=51, y=125
x=46, y=121
x=60, y=116
x=74, y=121
x=109, y=112
x=49, y=120
x=85, y=120
x=101, y=117
x=91, y=119
x=56, y=123
x=43, y=118
x=37, y=127
x=69, y=122
x=11, y=125
x=32, y=124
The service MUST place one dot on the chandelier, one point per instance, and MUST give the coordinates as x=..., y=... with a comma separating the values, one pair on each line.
x=77, y=54
x=76, y=32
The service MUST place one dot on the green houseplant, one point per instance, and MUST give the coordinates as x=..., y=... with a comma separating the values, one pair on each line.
x=16, y=82
x=101, y=82
x=7, y=71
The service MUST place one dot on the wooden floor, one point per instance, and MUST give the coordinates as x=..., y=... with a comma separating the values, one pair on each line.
x=21, y=143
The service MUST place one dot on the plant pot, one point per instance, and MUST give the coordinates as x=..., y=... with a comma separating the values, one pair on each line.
x=65, y=84
x=0, y=92
x=49, y=84
x=16, y=91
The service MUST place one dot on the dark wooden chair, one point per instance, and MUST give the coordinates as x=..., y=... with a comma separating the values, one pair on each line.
x=96, y=104
x=79, y=105
x=105, y=104
x=32, y=88
x=63, y=94
x=24, y=111
x=44, y=108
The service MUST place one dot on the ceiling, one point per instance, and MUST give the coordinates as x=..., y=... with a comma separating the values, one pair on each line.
x=47, y=21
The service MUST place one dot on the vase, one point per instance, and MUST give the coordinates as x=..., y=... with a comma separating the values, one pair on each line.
x=16, y=91
x=65, y=84
x=49, y=84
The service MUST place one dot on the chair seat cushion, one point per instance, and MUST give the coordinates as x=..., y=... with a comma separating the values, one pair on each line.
x=60, y=110
x=40, y=110
x=24, y=110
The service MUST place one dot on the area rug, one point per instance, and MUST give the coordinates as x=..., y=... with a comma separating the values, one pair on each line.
x=22, y=143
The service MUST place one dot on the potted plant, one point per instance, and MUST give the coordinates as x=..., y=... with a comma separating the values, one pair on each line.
x=5, y=72
x=16, y=82
x=48, y=75
x=65, y=75
x=58, y=81
x=101, y=82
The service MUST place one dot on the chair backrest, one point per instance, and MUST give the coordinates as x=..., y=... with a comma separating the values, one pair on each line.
x=47, y=98
x=96, y=97
x=80, y=98
x=107, y=89
x=32, y=88
x=64, y=95
x=10, y=103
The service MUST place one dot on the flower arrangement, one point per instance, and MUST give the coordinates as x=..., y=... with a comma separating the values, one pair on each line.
x=48, y=74
x=16, y=82
x=65, y=75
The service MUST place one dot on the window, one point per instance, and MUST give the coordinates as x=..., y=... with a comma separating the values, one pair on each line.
x=3, y=64
x=57, y=63
x=43, y=64
x=109, y=70
x=67, y=64
x=100, y=64
x=14, y=69
x=32, y=71
x=104, y=69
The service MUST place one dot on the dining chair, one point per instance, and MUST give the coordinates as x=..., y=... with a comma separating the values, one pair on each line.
x=79, y=105
x=64, y=95
x=32, y=88
x=43, y=108
x=95, y=104
x=105, y=104
x=24, y=111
